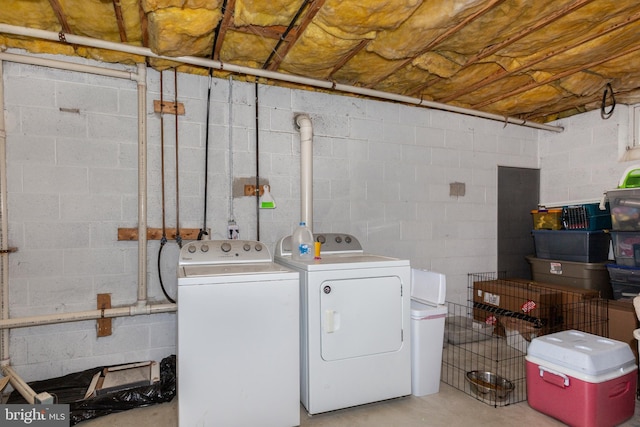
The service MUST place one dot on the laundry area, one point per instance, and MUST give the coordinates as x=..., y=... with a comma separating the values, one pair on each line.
x=289, y=215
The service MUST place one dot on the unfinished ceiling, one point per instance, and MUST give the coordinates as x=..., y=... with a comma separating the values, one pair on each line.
x=538, y=60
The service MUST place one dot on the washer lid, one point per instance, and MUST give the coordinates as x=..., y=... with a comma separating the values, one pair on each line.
x=231, y=269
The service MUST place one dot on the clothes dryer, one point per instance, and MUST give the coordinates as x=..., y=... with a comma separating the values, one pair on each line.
x=355, y=341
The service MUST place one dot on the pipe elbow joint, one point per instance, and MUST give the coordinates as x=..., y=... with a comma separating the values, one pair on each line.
x=303, y=121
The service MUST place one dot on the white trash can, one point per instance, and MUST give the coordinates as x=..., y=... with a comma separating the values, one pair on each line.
x=427, y=340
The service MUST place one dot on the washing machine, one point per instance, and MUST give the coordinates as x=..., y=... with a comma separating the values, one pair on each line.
x=238, y=336
x=355, y=341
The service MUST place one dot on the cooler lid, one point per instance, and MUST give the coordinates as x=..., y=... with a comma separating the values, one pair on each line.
x=427, y=311
x=582, y=352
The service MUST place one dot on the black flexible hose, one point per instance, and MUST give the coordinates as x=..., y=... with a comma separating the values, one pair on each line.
x=163, y=241
x=603, y=113
x=203, y=230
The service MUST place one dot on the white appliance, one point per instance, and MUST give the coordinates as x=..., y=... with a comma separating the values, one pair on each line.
x=355, y=343
x=428, y=313
x=238, y=337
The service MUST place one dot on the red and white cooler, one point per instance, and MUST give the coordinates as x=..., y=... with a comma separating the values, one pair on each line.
x=581, y=379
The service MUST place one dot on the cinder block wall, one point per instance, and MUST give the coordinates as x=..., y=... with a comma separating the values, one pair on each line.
x=582, y=162
x=381, y=172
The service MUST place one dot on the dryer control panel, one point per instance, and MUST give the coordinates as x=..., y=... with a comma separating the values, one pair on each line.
x=332, y=243
x=201, y=252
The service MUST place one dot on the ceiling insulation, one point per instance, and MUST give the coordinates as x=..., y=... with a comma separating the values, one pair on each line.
x=532, y=60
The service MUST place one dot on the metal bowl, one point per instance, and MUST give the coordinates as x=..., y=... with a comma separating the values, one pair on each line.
x=489, y=385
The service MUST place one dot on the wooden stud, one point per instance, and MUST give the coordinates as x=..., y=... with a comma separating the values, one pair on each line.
x=104, y=324
x=156, y=233
x=168, y=107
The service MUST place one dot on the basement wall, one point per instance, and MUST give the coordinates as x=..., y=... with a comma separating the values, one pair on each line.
x=382, y=172
x=583, y=162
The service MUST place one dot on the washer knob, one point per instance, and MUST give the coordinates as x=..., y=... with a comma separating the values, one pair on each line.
x=338, y=239
x=226, y=247
x=192, y=249
x=347, y=239
x=258, y=247
x=246, y=247
x=204, y=248
x=321, y=239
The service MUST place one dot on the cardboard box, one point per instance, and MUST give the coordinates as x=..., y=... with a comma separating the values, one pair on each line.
x=581, y=309
x=622, y=322
x=532, y=306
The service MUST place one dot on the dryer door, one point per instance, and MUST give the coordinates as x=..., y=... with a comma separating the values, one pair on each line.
x=361, y=317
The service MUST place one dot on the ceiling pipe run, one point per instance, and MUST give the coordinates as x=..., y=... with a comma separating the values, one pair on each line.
x=306, y=169
x=208, y=63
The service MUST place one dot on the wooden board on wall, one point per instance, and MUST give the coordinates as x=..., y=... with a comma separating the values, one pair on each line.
x=156, y=233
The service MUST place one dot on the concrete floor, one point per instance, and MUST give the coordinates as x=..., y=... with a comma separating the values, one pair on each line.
x=449, y=407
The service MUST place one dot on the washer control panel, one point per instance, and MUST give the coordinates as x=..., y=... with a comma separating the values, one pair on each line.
x=201, y=252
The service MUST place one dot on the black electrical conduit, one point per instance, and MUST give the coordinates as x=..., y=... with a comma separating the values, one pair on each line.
x=178, y=236
x=257, y=166
x=163, y=240
x=284, y=35
x=203, y=231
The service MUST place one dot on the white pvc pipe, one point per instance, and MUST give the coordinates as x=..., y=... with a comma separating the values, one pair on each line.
x=4, y=228
x=208, y=63
x=107, y=313
x=65, y=65
x=306, y=169
x=142, y=184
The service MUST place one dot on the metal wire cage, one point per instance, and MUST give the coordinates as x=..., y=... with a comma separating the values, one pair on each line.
x=486, y=340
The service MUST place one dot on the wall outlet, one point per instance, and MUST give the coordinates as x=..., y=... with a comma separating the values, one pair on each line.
x=233, y=231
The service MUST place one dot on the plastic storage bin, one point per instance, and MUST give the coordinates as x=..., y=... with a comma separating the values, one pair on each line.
x=586, y=217
x=625, y=209
x=572, y=245
x=625, y=281
x=626, y=247
x=547, y=219
x=461, y=329
x=583, y=275
x=427, y=336
x=581, y=379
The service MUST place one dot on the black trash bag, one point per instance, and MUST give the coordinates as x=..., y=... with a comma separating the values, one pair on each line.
x=71, y=389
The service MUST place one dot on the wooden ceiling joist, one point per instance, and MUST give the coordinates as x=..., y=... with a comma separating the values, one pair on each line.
x=292, y=37
x=62, y=19
x=117, y=9
x=225, y=24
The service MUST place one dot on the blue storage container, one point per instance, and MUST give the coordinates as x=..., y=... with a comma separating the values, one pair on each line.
x=572, y=245
x=625, y=281
x=586, y=217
